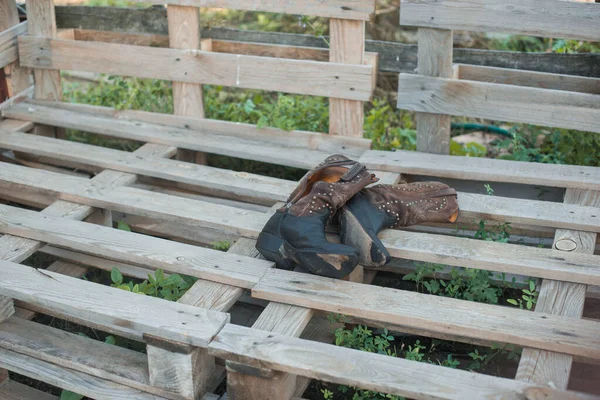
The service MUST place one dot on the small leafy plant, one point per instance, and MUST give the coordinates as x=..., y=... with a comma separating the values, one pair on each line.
x=528, y=299
x=170, y=288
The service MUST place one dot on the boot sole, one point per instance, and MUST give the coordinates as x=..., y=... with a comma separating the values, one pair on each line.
x=367, y=243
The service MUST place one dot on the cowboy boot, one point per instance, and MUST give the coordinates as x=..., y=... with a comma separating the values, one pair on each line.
x=392, y=206
x=296, y=232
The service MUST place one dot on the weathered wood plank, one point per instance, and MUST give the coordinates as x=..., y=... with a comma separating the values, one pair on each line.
x=17, y=391
x=103, y=305
x=435, y=314
x=293, y=76
x=188, y=98
x=303, y=139
x=547, y=18
x=42, y=23
x=238, y=185
x=346, y=117
x=17, y=78
x=8, y=43
x=17, y=249
x=393, y=57
x=248, y=148
x=67, y=350
x=149, y=252
x=545, y=107
x=483, y=169
x=78, y=382
x=529, y=78
x=412, y=245
x=434, y=59
x=347, y=9
x=366, y=370
x=560, y=298
x=7, y=308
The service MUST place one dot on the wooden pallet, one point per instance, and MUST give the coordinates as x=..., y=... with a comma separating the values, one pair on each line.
x=177, y=206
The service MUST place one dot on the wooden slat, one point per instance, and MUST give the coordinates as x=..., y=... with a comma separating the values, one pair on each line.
x=547, y=18
x=8, y=43
x=17, y=391
x=560, y=298
x=78, y=382
x=545, y=107
x=42, y=23
x=450, y=250
x=346, y=117
x=434, y=313
x=302, y=139
x=17, y=78
x=393, y=56
x=434, y=59
x=370, y=371
x=348, y=9
x=293, y=76
x=253, y=149
x=102, y=305
x=239, y=185
x=188, y=98
x=483, y=169
x=65, y=349
x=529, y=78
x=149, y=252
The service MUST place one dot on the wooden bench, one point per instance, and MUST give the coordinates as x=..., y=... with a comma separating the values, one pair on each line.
x=176, y=207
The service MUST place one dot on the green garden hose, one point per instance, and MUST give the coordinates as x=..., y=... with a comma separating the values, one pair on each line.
x=478, y=127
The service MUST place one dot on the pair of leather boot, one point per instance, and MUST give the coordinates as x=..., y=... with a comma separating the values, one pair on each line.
x=336, y=192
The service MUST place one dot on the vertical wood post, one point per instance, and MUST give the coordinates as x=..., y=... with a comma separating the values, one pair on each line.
x=434, y=59
x=184, y=33
x=347, y=37
x=17, y=78
x=560, y=298
x=42, y=22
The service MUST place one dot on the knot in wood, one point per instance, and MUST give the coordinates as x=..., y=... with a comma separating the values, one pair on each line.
x=565, y=245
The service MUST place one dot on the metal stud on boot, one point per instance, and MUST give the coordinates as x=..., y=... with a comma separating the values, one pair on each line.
x=392, y=206
x=296, y=232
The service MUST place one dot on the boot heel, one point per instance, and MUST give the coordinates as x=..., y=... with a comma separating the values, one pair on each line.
x=271, y=247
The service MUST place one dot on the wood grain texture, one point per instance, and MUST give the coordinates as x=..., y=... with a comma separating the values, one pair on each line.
x=17, y=78
x=248, y=148
x=560, y=298
x=434, y=59
x=412, y=245
x=365, y=370
x=188, y=98
x=347, y=46
x=79, y=353
x=459, y=317
x=102, y=305
x=542, y=80
x=16, y=249
x=543, y=107
x=546, y=18
x=78, y=382
x=7, y=308
x=393, y=56
x=348, y=9
x=482, y=169
x=292, y=76
x=302, y=139
x=221, y=182
x=42, y=23
x=8, y=42
x=149, y=252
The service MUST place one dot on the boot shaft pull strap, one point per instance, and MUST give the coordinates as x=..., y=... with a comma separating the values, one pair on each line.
x=353, y=172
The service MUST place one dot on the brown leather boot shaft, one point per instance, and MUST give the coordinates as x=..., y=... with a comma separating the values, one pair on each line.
x=414, y=203
x=328, y=186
